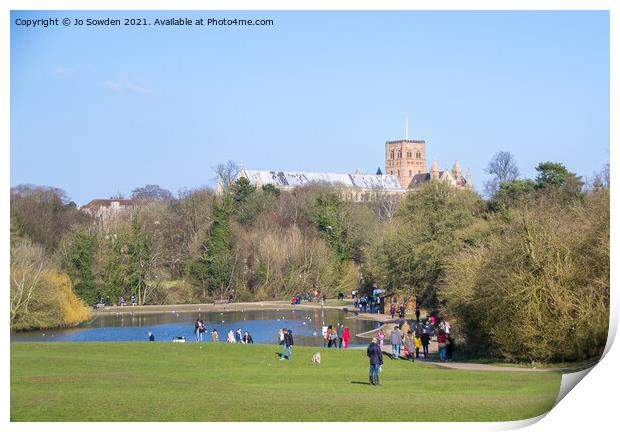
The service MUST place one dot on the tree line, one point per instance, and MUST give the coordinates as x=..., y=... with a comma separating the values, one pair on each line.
x=523, y=274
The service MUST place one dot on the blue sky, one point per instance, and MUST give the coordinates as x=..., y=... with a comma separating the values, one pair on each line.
x=101, y=110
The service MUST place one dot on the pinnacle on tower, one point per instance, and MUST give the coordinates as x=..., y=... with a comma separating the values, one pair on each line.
x=468, y=179
x=434, y=169
x=379, y=171
x=456, y=171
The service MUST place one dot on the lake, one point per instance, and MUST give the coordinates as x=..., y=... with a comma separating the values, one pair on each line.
x=263, y=325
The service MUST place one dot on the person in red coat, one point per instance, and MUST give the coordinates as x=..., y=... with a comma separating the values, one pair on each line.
x=345, y=337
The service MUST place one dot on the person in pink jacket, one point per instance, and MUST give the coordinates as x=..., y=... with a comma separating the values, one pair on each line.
x=345, y=337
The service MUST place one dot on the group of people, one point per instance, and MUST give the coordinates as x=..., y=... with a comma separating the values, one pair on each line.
x=400, y=308
x=239, y=337
x=337, y=337
x=402, y=336
x=410, y=340
x=122, y=302
x=367, y=303
x=316, y=296
x=233, y=337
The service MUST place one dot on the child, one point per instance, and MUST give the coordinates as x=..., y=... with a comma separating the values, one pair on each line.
x=381, y=336
x=418, y=343
x=346, y=335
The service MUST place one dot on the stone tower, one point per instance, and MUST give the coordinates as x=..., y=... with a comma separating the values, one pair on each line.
x=405, y=158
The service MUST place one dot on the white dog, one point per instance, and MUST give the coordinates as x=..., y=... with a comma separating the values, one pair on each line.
x=316, y=358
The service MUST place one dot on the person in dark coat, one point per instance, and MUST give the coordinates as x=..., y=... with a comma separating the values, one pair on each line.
x=247, y=338
x=401, y=311
x=426, y=339
x=376, y=360
x=287, y=345
x=339, y=330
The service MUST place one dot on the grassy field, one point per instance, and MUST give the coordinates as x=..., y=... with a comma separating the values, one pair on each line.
x=205, y=382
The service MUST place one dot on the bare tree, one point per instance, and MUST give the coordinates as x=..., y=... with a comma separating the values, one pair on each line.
x=27, y=265
x=151, y=193
x=503, y=168
x=384, y=205
x=227, y=173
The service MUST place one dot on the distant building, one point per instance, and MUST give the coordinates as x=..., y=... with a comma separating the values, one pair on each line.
x=104, y=210
x=405, y=168
x=356, y=187
x=453, y=177
x=406, y=159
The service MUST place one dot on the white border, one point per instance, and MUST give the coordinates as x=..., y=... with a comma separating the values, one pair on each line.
x=593, y=406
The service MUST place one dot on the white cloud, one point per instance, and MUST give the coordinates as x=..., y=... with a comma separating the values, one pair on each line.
x=124, y=84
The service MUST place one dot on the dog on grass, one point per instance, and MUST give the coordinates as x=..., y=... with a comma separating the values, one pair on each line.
x=316, y=358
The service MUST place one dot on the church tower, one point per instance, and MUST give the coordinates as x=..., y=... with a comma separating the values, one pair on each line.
x=405, y=158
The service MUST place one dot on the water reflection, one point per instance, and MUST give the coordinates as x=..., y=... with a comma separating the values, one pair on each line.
x=263, y=325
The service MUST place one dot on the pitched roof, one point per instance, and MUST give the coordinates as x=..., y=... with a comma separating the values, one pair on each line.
x=297, y=179
x=418, y=179
x=108, y=203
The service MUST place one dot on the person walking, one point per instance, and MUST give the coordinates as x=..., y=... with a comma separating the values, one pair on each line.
x=425, y=338
x=280, y=336
x=231, y=337
x=417, y=312
x=410, y=346
x=401, y=311
x=441, y=342
x=339, y=330
x=287, y=346
x=418, y=343
x=214, y=336
x=238, y=336
x=345, y=337
x=327, y=337
x=392, y=310
x=333, y=339
x=404, y=328
x=396, y=340
x=375, y=356
x=197, y=330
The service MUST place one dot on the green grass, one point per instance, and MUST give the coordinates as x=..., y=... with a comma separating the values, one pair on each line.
x=205, y=382
x=565, y=366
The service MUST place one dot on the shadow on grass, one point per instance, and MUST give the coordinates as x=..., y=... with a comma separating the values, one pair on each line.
x=279, y=355
x=360, y=382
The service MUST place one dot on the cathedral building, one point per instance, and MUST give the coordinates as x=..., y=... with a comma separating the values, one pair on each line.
x=405, y=168
x=406, y=159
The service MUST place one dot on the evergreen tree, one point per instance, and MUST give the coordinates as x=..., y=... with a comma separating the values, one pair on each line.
x=213, y=269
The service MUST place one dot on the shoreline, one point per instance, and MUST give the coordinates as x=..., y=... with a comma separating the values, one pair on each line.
x=241, y=306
